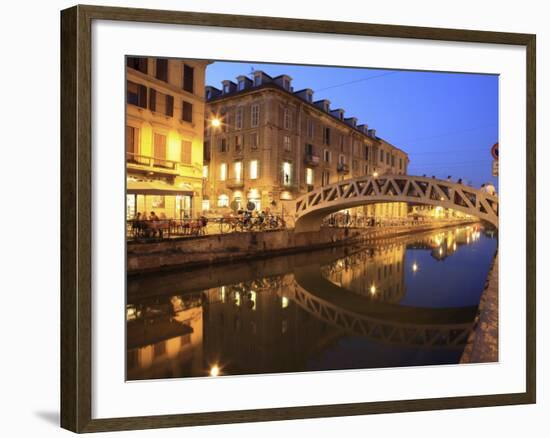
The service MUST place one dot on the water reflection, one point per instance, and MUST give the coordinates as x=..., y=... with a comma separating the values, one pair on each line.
x=353, y=307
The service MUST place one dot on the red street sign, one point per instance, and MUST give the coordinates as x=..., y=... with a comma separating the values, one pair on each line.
x=494, y=151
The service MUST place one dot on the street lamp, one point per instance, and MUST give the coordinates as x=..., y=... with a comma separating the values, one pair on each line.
x=215, y=122
x=375, y=174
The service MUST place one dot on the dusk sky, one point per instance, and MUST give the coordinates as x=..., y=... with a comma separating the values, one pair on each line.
x=446, y=122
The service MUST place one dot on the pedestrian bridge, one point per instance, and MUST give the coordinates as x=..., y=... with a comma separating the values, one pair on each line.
x=312, y=207
x=388, y=323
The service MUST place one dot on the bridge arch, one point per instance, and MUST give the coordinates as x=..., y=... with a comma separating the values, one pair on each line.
x=312, y=207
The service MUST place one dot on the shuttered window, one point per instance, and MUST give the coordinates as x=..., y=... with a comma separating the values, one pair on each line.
x=162, y=69
x=137, y=63
x=187, y=111
x=136, y=94
x=169, y=105
x=188, y=78
x=186, y=148
x=131, y=138
x=159, y=149
x=152, y=99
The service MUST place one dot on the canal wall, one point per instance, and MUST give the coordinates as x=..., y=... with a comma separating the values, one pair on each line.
x=482, y=345
x=143, y=257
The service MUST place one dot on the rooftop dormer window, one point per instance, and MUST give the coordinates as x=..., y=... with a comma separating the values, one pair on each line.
x=226, y=88
x=241, y=84
x=257, y=80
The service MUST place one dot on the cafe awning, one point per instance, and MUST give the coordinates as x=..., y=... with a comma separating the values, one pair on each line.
x=157, y=188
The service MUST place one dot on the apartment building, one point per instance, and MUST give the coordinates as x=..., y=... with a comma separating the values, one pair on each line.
x=267, y=144
x=164, y=136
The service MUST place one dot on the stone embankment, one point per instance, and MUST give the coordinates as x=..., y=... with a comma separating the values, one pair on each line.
x=482, y=344
x=222, y=248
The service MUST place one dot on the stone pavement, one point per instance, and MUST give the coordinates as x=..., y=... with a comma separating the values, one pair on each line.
x=483, y=342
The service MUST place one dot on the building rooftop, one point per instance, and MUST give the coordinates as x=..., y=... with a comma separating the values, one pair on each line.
x=271, y=84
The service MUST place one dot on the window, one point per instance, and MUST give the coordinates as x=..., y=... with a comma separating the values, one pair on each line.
x=241, y=84
x=286, y=118
x=186, y=111
x=310, y=128
x=325, y=178
x=238, y=170
x=342, y=159
x=254, y=141
x=226, y=88
x=309, y=176
x=205, y=171
x=223, y=144
x=223, y=201
x=393, y=160
x=186, y=151
x=159, y=149
x=286, y=143
x=169, y=105
x=137, y=63
x=152, y=99
x=131, y=141
x=257, y=80
x=287, y=176
x=161, y=103
x=400, y=163
x=206, y=150
x=381, y=156
x=309, y=149
x=387, y=158
x=188, y=78
x=366, y=152
x=326, y=156
x=238, y=143
x=326, y=135
x=255, y=115
x=342, y=143
x=223, y=172
x=366, y=169
x=254, y=169
x=239, y=118
x=162, y=69
x=136, y=94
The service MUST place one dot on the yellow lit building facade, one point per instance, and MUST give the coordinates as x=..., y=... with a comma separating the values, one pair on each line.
x=164, y=136
x=271, y=144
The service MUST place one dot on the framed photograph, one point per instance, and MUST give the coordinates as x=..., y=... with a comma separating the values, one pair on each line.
x=268, y=219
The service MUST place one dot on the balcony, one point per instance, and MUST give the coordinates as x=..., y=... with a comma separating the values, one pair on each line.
x=142, y=162
x=234, y=183
x=342, y=168
x=312, y=160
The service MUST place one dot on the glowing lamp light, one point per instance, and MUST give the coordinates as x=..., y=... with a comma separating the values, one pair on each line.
x=372, y=289
x=414, y=267
x=215, y=122
x=215, y=371
x=375, y=174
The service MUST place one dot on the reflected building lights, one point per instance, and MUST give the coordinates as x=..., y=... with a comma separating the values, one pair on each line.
x=284, y=302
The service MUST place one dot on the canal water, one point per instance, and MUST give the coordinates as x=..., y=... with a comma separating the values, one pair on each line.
x=407, y=301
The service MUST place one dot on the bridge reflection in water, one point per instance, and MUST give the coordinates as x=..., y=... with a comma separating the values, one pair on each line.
x=407, y=301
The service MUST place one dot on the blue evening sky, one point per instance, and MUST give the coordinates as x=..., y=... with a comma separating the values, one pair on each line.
x=446, y=122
